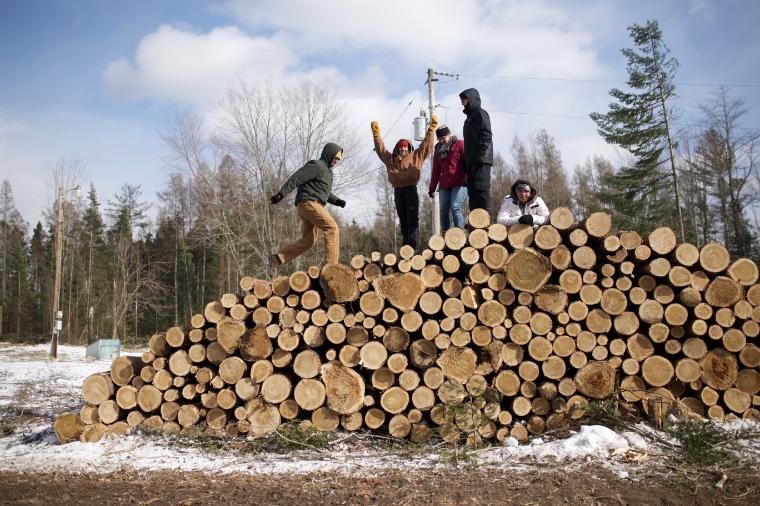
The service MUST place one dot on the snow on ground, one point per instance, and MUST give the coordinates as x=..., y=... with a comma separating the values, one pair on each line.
x=29, y=381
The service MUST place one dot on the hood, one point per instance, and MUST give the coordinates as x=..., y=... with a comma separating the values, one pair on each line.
x=513, y=192
x=329, y=151
x=473, y=98
x=395, y=148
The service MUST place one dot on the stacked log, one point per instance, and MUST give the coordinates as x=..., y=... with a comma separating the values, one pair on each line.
x=485, y=334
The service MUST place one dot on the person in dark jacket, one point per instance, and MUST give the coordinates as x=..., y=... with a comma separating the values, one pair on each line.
x=314, y=183
x=449, y=177
x=478, y=149
x=404, y=166
x=522, y=205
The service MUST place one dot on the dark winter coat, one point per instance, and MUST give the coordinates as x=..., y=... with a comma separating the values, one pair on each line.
x=478, y=146
x=315, y=179
x=448, y=172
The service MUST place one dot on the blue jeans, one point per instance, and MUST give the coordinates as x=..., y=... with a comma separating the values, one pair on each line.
x=452, y=200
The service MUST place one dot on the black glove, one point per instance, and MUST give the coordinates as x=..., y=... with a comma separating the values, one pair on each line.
x=340, y=202
x=526, y=219
x=277, y=197
x=431, y=194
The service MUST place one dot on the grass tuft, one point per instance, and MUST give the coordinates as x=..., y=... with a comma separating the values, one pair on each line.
x=703, y=444
x=287, y=438
x=610, y=413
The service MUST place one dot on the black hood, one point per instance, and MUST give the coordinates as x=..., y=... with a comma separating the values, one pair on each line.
x=473, y=98
x=329, y=151
x=513, y=191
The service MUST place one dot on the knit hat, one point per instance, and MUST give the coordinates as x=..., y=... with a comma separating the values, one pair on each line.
x=403, y=143
x=442, y=131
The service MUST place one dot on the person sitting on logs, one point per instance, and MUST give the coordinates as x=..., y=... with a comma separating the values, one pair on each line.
x=522, y=205
x=404, y=166
x=314, y=182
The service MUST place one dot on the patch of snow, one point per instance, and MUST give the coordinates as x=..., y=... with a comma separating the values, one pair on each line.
x=591, y=440
x=29, y=381
x=511, y=442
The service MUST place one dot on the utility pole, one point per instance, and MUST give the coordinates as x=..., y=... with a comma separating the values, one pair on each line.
x=57, y=314
x=57, y=284
x=431, y=110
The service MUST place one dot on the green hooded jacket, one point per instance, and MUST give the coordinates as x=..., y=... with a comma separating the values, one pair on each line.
x=314, y=180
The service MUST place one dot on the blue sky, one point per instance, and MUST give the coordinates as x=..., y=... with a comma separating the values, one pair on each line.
x=97, y=81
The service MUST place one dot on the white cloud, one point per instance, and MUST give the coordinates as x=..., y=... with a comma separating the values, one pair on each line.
x=178, y=65
x=533, y=37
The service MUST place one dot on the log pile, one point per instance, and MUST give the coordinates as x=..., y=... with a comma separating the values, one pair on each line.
x=483, y=335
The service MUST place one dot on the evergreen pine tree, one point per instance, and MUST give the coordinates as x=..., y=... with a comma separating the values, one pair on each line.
x=640, y=121
x=40, y=277
x=19, y=315
x=94, y=259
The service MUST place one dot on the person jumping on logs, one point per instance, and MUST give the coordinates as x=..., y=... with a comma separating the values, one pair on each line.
x=314, y=182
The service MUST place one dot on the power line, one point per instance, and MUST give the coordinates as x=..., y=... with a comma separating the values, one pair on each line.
x=604, y=81
x=523, y=113
x=397, y=119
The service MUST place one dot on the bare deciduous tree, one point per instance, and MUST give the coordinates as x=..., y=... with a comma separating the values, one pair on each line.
x=261, y=134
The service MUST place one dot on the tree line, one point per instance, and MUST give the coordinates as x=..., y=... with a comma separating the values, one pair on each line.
x=132, y=267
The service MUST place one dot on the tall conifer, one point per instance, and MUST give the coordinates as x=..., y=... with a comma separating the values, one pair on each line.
x=641, y=121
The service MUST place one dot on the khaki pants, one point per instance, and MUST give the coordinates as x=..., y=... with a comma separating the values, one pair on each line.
x=315, y=218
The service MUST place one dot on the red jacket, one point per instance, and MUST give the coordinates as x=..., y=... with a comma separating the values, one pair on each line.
x=448, y=172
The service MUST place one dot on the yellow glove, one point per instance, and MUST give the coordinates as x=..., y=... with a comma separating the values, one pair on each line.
x=375, y=129
x=433, y=123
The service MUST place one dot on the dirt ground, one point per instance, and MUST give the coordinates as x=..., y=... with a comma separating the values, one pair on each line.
x=450, y=487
